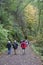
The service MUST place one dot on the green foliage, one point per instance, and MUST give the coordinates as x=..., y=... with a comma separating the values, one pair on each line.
x=38, y=45
x=19, y=18
x=31, y=38
x=3, y=37
x=15, y=33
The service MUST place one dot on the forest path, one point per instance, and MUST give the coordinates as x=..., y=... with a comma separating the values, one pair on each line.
x=30, y=58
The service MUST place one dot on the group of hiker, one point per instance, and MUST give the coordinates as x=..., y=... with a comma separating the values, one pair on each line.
x=23, y=45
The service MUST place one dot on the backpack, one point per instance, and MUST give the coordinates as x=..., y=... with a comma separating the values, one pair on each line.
x=15, y=45
x=8, y=45
x=27, y=42
x=23, y=45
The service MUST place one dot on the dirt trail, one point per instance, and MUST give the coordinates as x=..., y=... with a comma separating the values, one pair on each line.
x=29, y=58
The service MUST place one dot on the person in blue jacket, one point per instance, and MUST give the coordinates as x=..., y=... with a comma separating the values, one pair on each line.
x=9, y=47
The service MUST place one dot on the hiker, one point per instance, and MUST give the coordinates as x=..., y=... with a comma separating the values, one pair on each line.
x=27, y=42
x=9, y=47
x=15, y=46
x=23, y=46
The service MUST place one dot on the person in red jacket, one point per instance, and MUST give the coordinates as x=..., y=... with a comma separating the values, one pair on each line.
x=23, y=46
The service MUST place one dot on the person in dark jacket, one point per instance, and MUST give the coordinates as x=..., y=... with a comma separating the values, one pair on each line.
x=9, y=47
x=15, y=46
x=26, y=40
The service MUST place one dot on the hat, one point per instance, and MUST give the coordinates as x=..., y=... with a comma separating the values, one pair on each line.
x=8, y=41
x=14, y=40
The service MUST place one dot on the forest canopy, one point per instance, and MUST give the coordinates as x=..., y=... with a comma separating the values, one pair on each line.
x=20, y=18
